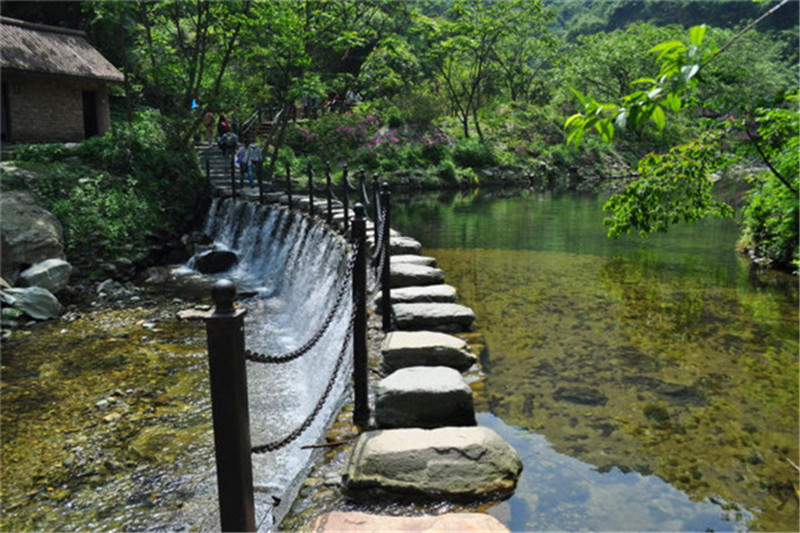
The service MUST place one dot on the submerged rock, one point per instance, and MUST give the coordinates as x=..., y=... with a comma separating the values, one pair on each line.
x=414, y=259
x=445, y=463
x=580, y=395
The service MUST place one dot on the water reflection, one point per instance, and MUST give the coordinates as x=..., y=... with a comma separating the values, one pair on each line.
x=559, y=493
x=656, y=357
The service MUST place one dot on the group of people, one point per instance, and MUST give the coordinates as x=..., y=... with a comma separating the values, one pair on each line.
x=247, y=156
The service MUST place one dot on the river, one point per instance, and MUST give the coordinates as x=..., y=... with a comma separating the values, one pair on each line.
x=648, y=384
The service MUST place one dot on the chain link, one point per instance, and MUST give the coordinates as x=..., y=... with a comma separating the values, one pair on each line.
x=379, y=243
x=291, y=437
x=299, y=352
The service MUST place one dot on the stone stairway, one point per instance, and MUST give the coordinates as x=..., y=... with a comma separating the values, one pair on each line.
x=218, y=165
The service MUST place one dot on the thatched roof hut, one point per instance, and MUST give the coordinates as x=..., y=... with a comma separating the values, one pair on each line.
x=53, y=83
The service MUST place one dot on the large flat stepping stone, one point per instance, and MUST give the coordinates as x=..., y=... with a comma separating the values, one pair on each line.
x=446, y=317
x=403, y=246
x=355, y=522
x=425, y=397
x=464, y=463
x=411, y=275
x=403, y=349
x=414, y=259
x=426, y=293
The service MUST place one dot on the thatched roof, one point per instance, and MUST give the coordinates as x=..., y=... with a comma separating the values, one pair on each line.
x=44, y=49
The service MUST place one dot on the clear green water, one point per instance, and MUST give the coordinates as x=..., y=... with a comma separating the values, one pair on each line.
x=648, y=384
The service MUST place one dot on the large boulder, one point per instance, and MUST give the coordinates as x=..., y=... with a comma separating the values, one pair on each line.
x=453, y=463
x=355, y=522
x=215, y=261
x=35, y=302
x=424, y=397
x=447, y=317
x=403, y=349
x=411, y=275
x=29, y=234
x=52, y=274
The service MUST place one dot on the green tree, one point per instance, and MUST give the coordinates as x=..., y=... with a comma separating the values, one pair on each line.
x=677, y=186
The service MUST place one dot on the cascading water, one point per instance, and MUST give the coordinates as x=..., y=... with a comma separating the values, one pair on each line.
x=294, y=270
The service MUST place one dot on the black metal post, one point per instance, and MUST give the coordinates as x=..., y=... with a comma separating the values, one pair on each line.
x=376, y=205
x=386, y=290
x=233, y=180
x=361, y=179
x=227, y=372
x=361, y=410
x=346, y=199
x=310, y=191
x=289, y=184
x=329, y=194
x=208, y=172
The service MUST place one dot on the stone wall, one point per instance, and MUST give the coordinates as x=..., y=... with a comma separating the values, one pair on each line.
x=50, y=109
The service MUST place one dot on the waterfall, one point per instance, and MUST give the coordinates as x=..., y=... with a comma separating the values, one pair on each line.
x=294, y=269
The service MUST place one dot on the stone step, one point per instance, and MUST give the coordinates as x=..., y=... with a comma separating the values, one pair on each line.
x=402, y=349
x=463, y=463
x=355, y=522
x=411, y=275
x=424, y=397
x=446, y=317
x=414, y=259
x=428, y=293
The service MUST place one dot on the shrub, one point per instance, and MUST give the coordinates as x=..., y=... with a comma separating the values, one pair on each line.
x=770, y=223
x=447, y=171
x=472, y=153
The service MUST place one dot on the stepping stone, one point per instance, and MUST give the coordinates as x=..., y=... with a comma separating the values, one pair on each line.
x=403, y=246
x=355, y=522
x=447, y=317
x=427, y=293
x=425, y=397
x=463, y=463
x=414, y=259
x=411, y=275
x=403, y=349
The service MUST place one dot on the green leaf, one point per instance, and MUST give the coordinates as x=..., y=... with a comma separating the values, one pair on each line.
x=606, y=129
x=579, y=94
x=572, y=119
x=643, y=80
x=696, y=34
x=673, y=102
x=658, y=117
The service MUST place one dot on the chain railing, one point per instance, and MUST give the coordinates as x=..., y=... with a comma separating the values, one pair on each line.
x=228, y=377
x=291, y=437
x=306, y=348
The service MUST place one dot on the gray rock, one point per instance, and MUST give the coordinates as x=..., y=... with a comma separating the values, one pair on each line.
x=411, y=275
x=35, y=302
x=355, y=522
x=404, y=246
x=425, y=397
x=414, y=259
x=436, y=316
x=580, y=395
x=214, y=261
x=427, y=293
x=29, y=234
x=403, y=349
x=462, y=463
x=52, y=274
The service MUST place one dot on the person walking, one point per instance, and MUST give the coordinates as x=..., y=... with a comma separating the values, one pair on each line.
x=208, y=122
x=241, y=162
x=255, y=160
